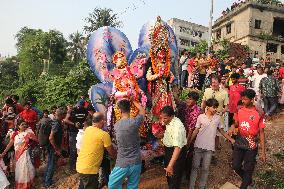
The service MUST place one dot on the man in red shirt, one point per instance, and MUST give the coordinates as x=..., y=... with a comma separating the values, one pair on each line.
x=19, y=107
x=191, y=64
x=250, y=124
x=281, y=71
x=235, y=91
x=29, y=115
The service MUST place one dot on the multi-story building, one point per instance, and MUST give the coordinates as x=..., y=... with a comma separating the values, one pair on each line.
x=259, y=26
x=188, y=34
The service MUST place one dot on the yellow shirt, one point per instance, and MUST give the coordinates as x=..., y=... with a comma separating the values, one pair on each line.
x=92, y=150
x=175, y=134
x=221, y=96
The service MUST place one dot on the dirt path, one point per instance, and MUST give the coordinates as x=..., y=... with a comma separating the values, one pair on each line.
x=220, y=173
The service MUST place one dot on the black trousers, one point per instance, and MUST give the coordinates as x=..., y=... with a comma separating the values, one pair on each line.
x=270, y=105
x=231, y=119
x=174, y=181
x=188, y=161
x=201, y=81
x=244, y=162
x=106, y=167
x=89, y=181
x=184, y=78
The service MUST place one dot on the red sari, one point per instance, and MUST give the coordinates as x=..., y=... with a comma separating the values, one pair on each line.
x=25, y=170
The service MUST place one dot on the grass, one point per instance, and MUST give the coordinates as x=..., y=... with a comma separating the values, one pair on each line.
x=273, y=179
x=279, y=155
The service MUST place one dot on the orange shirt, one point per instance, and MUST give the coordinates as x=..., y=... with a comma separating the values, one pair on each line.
x=250, y=121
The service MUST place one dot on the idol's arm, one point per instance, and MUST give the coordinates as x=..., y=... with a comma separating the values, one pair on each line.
x=172, y=77
x=150, y=76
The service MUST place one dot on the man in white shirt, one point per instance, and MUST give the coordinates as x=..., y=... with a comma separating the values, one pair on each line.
x=184, y=65
x=174, y=140
x=255, y=85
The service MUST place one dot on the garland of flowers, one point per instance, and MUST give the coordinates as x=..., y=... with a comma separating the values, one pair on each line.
x=167, y=63
x=119, y=86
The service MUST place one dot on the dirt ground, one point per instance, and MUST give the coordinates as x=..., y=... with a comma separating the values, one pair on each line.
x=154, y=177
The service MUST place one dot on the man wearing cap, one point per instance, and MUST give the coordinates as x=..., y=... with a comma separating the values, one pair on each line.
x=75, y=122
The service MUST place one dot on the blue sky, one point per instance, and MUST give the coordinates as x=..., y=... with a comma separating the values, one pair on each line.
x=68, y=16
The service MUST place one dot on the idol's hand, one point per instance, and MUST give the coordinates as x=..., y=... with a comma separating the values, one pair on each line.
x=129, y=93
x=172, y=79
x=143, y=100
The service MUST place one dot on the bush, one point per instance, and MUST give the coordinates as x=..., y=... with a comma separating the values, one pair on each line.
x=273, y=179
x=59, y=90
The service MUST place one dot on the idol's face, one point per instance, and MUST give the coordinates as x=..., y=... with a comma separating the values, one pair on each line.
x=121, y=61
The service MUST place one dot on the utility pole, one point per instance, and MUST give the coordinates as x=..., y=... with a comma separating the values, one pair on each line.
x=210, y=27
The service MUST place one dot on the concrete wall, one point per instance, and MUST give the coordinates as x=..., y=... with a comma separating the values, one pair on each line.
x=240, y=27
x=266, y=18
x=243, y=29
x=242, y=22
x=186, y=32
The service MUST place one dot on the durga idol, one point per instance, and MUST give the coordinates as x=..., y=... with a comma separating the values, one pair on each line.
x=159, y=75
x=125, y=86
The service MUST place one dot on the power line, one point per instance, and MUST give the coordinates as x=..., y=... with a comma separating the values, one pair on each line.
x=133, y=7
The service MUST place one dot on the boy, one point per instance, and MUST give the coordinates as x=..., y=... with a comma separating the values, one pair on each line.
x=204, y=146
x=250, y=123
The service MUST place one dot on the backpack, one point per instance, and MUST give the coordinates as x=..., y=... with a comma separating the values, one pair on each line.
x=43, y=131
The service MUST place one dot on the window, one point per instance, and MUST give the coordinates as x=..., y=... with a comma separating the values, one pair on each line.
x=257, y=24
x=193, y=44
x=278, y=29
x=282, y=49
x=184, y=30
x=271, y=47
x=229, y=28
x=184, y=42
x=218, y=34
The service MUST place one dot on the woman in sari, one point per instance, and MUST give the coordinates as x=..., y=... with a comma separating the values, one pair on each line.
x=25, y=170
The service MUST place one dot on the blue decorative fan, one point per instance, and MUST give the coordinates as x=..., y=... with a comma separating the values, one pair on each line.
x=104, y=42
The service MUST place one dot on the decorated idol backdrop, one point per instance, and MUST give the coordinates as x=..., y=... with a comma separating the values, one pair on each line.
x=122, y=71
x=144, y=41
x=102, y=44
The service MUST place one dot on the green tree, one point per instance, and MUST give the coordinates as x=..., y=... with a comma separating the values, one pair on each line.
x=77, y=46
x=101, y=17
x=57, y=45
x=223, y=52
x=201, y=47
x=34, y=46
x=8, y=76
x=63, y=90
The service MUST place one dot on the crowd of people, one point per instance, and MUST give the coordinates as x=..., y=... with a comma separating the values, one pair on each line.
x=239, y=3
x=29, y=135
x=237, y=101
x=266, y=79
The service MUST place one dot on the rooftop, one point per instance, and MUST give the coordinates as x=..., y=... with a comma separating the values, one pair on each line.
x=187, y=22
x=237, y=8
